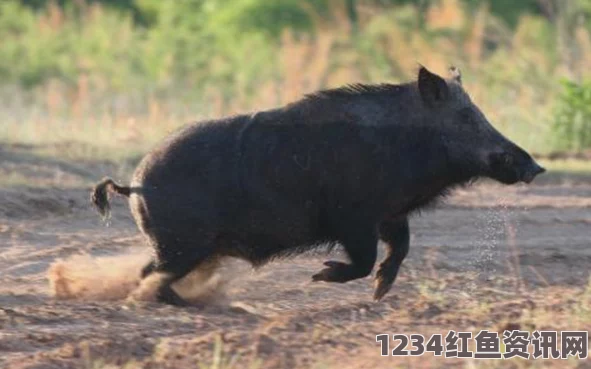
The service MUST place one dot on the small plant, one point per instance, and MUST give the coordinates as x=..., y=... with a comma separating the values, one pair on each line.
x=572, y=117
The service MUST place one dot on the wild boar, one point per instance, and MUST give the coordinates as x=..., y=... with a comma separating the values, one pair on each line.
x=344, y=167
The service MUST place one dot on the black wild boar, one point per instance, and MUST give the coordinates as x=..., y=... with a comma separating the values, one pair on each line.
x=344, y=166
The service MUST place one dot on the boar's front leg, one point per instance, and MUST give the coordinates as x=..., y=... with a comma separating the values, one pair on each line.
x=360, y=243
x=396, y=236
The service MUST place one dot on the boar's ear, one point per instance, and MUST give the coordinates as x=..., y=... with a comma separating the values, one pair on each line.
x=456, y=75
x=433, y=88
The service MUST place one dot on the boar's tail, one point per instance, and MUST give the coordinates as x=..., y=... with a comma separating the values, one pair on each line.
x=100, y=195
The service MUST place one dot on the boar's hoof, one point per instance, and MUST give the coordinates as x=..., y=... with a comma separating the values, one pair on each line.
x=167, y=295
x=383, y=285
x=385, y=277
x=336, y=272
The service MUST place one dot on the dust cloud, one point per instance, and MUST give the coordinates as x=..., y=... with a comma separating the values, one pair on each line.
x=117, y=277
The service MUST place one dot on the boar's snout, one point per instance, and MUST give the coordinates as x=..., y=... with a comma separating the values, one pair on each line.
x=513, y=165
x=532, y=172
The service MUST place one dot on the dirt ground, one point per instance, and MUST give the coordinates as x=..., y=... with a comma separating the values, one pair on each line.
x=490, y=257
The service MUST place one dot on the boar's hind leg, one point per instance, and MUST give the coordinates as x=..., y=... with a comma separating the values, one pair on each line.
x=396, y=236
x=173, y=266
x=172, y=272
x=148, y=269
x=361, y=247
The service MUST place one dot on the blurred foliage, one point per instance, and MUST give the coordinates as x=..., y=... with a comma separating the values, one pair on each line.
x=572, y=119
x=509, y=10
x=233, y=55
x=196, y=41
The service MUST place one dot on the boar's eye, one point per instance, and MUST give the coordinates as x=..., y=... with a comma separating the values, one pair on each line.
x=507, y=159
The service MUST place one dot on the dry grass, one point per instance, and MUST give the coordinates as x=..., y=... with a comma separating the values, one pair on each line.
x=568, y=165
x=515, y=85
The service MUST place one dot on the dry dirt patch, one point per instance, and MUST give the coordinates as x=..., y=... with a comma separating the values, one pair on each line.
x=492, y=257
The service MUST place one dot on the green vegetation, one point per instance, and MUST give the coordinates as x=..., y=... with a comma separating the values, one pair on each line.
x=114, y=73
x=572, y=125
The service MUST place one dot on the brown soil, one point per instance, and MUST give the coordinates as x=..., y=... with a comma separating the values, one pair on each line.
x=491, y=257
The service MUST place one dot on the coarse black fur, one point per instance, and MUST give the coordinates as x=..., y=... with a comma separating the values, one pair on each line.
x=340, y=167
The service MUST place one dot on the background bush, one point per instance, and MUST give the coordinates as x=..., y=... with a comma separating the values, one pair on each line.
x=102, y=67
x=572, y=122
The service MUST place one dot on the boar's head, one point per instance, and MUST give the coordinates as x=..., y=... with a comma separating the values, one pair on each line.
x=473, y=146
